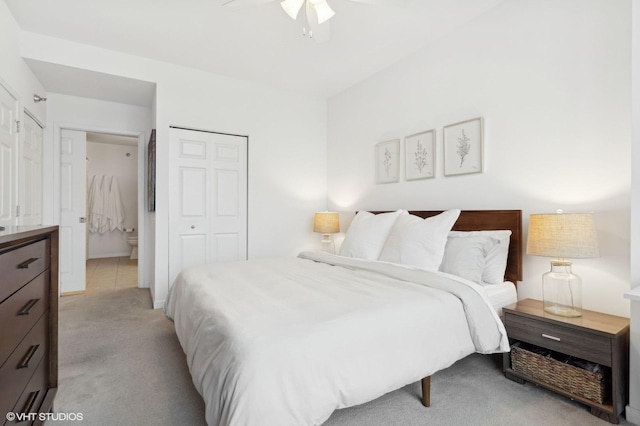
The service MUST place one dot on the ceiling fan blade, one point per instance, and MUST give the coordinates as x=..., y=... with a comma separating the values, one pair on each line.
x=292, y=7
x=323, y=10
x=321, y=33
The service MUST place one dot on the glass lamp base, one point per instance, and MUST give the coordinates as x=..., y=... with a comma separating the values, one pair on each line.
x=327, y=244
x=562, y=290
x=563, y=311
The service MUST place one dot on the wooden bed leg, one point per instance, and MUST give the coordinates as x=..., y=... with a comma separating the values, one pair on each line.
x=426, y=391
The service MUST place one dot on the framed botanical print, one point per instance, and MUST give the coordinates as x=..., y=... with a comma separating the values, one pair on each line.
x=419, y=155
x=388, y=161
x=463, y=147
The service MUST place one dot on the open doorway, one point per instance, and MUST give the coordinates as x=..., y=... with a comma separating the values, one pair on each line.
x=112, y=212
x=101, y=210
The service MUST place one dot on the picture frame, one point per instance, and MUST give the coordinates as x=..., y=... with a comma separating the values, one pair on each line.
x=388, y=161
x=419, y=155
x=151, y=172
x=463, y=146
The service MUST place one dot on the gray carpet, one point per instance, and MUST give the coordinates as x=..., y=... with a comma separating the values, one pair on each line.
x=121, y=364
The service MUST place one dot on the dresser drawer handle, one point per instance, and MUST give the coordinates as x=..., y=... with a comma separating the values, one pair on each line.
x=26, y=263
x=29, y=404
x=27, y=357
x=546, y=336
x=30, y=304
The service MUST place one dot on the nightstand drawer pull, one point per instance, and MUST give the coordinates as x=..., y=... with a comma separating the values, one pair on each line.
x=546, y=336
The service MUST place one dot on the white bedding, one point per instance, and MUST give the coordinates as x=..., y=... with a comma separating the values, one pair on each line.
x=286, y=341
x=501, y=295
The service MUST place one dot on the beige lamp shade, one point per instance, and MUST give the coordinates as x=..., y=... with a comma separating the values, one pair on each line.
x=562, y=235
x=326, y=223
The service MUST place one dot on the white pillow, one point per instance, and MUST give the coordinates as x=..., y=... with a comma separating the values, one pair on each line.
x=466, y=257
x=418, y=242
x=496, y=260
x=367, y=233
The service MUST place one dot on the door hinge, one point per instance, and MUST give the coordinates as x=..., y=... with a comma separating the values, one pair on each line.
x=17, y=126
x=17, y=211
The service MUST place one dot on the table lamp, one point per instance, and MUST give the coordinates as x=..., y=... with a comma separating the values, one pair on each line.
x=327, y=223
x=562, y=235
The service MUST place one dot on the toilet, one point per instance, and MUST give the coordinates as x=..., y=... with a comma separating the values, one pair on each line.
x=133, y=242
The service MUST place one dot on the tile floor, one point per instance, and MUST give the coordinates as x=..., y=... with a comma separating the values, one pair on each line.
x=111, y=273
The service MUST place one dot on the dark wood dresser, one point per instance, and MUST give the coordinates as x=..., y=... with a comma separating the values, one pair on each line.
x=28, y=322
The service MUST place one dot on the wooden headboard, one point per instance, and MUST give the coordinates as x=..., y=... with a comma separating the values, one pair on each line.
x=486, y=220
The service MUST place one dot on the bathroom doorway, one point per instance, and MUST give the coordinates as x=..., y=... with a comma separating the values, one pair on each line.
x=110, y=161
x=112, y=212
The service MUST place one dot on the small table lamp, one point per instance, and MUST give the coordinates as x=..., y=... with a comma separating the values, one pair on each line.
x=562, y=235
x=327, y=223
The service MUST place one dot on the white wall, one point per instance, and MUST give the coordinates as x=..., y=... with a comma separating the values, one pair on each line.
x=88, y=114
x=287, y=143
x=552, y=81
x=112, y=161
x=14, y=71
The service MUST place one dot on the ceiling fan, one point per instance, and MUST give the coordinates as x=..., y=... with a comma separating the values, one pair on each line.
x=315, y=17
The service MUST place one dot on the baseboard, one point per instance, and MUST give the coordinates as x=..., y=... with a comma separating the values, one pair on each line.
x=158, y=304
x=72, y=293
x=632, y=415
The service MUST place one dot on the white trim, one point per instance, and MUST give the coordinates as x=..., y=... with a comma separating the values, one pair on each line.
x=57, y=129
x=632, y=415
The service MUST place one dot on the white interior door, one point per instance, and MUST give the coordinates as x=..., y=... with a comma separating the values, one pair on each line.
x=208, y=199
x=73, y=195
x=8, y=157
x=31, y=173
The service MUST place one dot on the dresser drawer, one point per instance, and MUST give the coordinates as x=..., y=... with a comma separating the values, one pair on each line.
x=19, y=368
x=571, y=341
x=21, y=265
x=33, y=394
x=22, y=310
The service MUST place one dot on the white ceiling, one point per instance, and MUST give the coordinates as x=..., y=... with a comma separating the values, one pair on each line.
x=250, y=39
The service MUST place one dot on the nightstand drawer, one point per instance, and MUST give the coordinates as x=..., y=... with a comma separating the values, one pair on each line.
x=571, y=341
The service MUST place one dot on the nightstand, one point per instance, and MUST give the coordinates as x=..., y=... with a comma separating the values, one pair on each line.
x=593, y=337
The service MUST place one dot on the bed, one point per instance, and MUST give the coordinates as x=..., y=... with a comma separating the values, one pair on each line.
x=288, y=340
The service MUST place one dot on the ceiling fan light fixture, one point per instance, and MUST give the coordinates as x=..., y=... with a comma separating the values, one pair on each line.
x=323, y=10
x=292, y=7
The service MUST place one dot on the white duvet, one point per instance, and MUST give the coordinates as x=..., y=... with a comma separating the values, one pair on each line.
x=287, y=341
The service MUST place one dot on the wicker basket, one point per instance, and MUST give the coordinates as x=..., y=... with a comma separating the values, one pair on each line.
x=572, y=379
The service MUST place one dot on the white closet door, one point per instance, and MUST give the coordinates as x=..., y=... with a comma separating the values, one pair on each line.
x=31, y=173
x=8, y=157
x=208, y=199
x=229, y=192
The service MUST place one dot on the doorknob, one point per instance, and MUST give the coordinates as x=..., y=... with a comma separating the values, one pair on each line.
x=193, y=227
x=83, y=219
